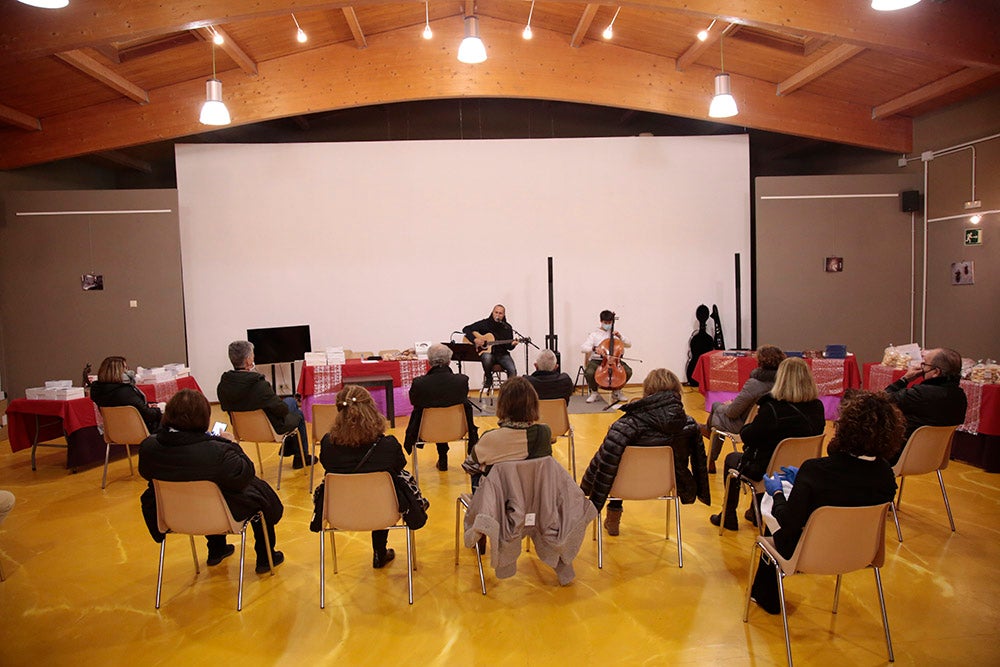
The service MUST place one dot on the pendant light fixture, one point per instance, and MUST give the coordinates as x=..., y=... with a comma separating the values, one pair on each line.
x=213, y=111
x=892, y=5
x=300, y=35
x=527, y=29
x=609, y=32
x=723, y=104
x=427, y=21
x=472, y=50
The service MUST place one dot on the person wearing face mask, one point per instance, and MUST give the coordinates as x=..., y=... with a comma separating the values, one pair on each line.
x=115, y=387
x=592, y=356
x=483, y=333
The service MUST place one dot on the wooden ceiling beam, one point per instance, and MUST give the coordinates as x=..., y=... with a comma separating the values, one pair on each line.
x=104, y=74
x=19, y=119
x=965, y=33
x=699, y=47
x=583, y=25
x=123, y=160
x=818, y=68
x=940, y=87
x=343, y=78
x=230, y=48
x=355, y=26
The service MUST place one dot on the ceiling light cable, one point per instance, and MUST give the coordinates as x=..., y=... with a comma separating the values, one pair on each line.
x=609, y=31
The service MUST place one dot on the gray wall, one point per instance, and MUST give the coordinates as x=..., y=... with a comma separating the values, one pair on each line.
x=799, y=305
x=50, y=326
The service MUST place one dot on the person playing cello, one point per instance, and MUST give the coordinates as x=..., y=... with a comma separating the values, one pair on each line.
x=597, y=348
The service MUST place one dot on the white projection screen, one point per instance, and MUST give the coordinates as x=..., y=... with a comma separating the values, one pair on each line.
x=377, y=245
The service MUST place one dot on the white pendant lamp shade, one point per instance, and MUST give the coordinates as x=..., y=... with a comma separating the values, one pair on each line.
x=213, y=111
x=46, y=4
x=723, y=105
x=892, y=5
x=471, y=50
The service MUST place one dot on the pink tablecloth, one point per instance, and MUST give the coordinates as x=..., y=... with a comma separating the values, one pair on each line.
x=161, y=392
x=318, y=384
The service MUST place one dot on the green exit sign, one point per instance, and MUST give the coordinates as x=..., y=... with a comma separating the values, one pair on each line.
x=973, y=237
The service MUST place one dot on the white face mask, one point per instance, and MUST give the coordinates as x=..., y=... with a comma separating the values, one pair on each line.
x=606, y=327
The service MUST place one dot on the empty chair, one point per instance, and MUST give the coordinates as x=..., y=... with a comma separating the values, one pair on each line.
x=555, y=413
x=199, y=508
x=323, y=416
x=122, y=426
x=255, y=427
x=927, y=450
x=789, y=452
x=440, y=425
x=836, y=540
x=360, y=502
x=645, y=473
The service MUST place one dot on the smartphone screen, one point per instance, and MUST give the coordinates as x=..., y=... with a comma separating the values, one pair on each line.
x=218, y=428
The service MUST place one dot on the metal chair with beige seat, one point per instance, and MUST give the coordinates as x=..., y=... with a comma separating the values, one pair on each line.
x=440, y=425
x=199, y=508
x=255, y=427
x=927, y=450
x=323, y=417
x=555, y=413
x=361, y=502
x=122, y=426
x=789, y=452
x=835, y=540
x=645, y=473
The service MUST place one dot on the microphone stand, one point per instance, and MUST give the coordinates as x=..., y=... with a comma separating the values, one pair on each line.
x=527, y=342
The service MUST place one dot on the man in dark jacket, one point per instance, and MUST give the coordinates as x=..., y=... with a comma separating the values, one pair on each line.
x=937, y=401
x=439, y=388
x=496, y=326
x=183, y=451
x=548, y=381
x=243, y=390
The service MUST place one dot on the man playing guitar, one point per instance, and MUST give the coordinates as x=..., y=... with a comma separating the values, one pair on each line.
x=494, y=339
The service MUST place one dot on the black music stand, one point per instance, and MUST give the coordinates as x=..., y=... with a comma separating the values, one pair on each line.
x=462, y=352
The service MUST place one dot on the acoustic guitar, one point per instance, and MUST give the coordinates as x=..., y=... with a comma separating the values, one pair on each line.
x=490, y=340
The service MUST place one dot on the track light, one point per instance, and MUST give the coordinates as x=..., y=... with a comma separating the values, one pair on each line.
x=472, y=50
x=46, y=4
x=527, y=29
x=892, y=5
x=703, y=34
x=428, y=33
x=609, y=31
x=723, y=104
x=300, y=34
x=217, y=37
x=214, y=111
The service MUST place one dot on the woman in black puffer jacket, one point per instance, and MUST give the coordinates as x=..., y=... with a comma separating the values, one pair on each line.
x=656, y=419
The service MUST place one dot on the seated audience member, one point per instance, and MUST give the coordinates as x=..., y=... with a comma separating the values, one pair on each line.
x=730, y=415
x=115, y=387
x=855, y=473
x=937, y=401
x=243, y=389
x=548, y=382
x=656, y=419
x=357, y=443
x=184, y=451
x=519, y=436
x=439, y=388
x=791, y=410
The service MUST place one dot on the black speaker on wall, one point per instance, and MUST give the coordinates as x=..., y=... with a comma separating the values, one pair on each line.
x=911, y=201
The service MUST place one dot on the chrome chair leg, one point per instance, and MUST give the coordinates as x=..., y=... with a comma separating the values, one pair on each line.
x=947, y=505
x=885, y=618
x=895, y=517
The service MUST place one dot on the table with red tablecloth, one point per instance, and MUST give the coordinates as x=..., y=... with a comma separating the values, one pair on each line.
x=32, y=422
x=720, y=377
x=320, y=384
x=977, y=440
x=162, y=392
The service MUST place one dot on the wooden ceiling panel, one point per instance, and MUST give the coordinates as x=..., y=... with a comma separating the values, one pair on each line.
x=274, y=37
x=190, y=61
x=896, y=76
x=48, y=86
x=377, y=19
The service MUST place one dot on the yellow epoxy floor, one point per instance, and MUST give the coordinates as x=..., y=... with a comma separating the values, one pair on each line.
x=81, y=577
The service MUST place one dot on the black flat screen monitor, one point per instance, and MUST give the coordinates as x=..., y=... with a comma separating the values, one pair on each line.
x=280, y=345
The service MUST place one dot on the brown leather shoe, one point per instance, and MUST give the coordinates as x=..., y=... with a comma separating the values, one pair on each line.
x=612, y=521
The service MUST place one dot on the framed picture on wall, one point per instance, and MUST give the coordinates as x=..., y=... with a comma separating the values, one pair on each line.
x=963, y=273
x=834, y=264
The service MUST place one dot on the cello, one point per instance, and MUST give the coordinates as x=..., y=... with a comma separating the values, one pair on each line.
x=611, y=374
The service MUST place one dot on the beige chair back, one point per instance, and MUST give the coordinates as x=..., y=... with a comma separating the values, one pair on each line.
x=794, y=451
x=123, y=426
x=644, y=473
x=752, y=413
x=837, y=540
x=927, y=450
x=323, y=418
x=361, y=501
x=253, y=426
x=193, y=508
x=443, y=424
x=554, y=413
